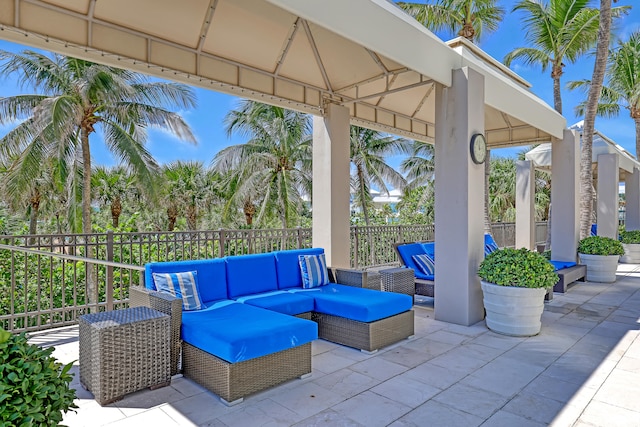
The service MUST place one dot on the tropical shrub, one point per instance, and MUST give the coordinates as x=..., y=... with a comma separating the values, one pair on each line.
x=517, y=267
x=600, y=245
x=34, y=389
x=630, y=237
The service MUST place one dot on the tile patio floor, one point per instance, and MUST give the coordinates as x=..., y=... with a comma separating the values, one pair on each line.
x=582, y=370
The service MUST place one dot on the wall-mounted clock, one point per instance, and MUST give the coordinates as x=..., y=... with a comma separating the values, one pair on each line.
x=478, y=148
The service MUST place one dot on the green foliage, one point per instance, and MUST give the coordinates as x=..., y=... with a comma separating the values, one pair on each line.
x=517, y=267
x=630, y=236
x=34, y=390
x=599, y=245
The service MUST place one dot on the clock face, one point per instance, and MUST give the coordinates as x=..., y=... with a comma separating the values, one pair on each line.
x=478, y=148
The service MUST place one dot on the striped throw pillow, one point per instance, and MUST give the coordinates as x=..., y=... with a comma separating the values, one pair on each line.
x=425, y=263
x=490, y=247
x=182, y=285
x=314, y=270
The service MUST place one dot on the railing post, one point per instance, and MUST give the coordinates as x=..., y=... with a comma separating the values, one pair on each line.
x=222, y=241
x=109, y=287
x=356, y=247
x=299, y=238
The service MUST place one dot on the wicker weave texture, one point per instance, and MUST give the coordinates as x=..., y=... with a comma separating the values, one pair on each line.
x=365, y=336
x=357, y=278
x=232, y=381
x=399, y=280
x=167, y=304
x=425, y=288
x=123, y=351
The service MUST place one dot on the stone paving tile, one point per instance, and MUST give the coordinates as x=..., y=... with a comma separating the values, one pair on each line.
x=534, y=407
x=601, y=414
x=263, y=413
x=406, y=356
x=438, y=376
x=346, y=382
x=328, y=417
x=491, y=339
x=406, y=390
x=199, y=408
x=629, y=364
x=371, y=409
x=152, y=417
x=435, y=414
x=503, y=376
x=379, y=368
x=307, y=399
x=507, y=419
x=621, y=390
x=330, y=362
x=448, y=337
x=552, y=388
x=472, y=400
x=429, y=347
x=92, y=414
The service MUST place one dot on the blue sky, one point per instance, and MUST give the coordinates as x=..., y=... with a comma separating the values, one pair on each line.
x=207, y=119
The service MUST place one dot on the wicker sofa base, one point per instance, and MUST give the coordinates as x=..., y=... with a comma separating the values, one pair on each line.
x=425, y=287
x=232, y=381
x=365, y=336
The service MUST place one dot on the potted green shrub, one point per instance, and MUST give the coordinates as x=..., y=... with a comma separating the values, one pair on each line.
x=34, y=390
x=514, y=283
x=600, y=255
x=631, y=243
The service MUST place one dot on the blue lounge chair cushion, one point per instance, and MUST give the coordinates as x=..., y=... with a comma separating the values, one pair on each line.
x=237, y=332
x=314, y=270
x=288, y=266
x=363, y=305
x=212, y=276
x=251, y=274
x=183, y=285
x=407, y=252
x=559, y=265
x=425, y=263
x=280, y=301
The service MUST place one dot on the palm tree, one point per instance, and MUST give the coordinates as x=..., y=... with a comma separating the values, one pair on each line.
x=468, y=18
x=419, y=167
x=559, y=31
x=112, y=186
x=623, y=84
x=78, y=97
x=368, y=151
x=273, y=166
x=190, y=186
x=597, y=80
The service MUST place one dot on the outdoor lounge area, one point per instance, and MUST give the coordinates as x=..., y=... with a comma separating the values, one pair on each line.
x=582, y=369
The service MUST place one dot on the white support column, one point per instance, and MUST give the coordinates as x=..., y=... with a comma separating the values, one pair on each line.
x=608, y=187
x=330, y=194
x=565, y=197
x=525, y=205
x=459, y=200
x=632, y=197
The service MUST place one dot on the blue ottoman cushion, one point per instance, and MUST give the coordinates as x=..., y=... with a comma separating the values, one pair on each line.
x=363, y=305
x=237, y=332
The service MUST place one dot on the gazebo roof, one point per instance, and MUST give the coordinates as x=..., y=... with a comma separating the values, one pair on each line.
x=367, y=55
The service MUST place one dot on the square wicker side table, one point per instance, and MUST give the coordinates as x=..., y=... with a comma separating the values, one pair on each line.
x=123, y=351
x=399, y=280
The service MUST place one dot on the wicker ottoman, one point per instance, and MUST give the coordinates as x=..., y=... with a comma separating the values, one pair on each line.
x=123, y=351
x=399, y=280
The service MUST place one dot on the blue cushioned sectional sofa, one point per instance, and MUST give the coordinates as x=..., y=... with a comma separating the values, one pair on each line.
x=257, y=321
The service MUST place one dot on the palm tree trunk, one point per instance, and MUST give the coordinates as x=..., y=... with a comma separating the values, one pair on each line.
x=487, y=174
x=172, y=215
x=192, y=213
x=92, y=284
x=556, y=72
x=116, y=210
x=637, y=122
x=33, y=217
x=586, y=174
x=363, y=198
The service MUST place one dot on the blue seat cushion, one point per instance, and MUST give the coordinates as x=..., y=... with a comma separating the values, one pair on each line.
x=288, y=266
x=237, y=332
x=363, y=305
x=212, y=276
x=407, y=252
x=559, y=265
x=281, y=301
x=251, y=274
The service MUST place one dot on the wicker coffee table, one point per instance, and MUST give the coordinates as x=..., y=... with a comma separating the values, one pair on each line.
x=399, y=280
x=123, y=351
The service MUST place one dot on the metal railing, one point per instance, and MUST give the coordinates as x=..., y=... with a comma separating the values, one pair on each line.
x=46, y=280
x=42, y=289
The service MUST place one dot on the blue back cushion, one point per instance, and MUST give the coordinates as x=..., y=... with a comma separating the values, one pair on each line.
x=559, y=265
x=490, y=245
x=430, y=249
x=594, y=229
x=212, y=276
x=288, y=266
x=408, y=251
x=251, y=274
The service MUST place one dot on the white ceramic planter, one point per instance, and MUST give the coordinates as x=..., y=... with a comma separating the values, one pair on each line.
x=600, y=268
x=513, y=311
x=631, y=253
